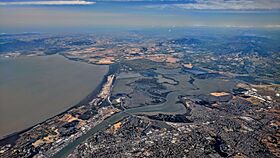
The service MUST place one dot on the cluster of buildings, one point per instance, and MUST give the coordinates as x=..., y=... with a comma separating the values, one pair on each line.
x=229, y=125
x=49, y=137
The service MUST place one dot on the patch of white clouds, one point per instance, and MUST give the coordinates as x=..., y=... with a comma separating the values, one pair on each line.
x=66, y=2
x=252, y=26
x=248, y=5
x=231, y=5
x=235, y=26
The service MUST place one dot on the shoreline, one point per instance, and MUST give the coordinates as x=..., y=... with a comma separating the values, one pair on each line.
x=11, y=138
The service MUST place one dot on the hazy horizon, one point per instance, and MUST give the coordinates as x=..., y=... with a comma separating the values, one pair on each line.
x=84, y=16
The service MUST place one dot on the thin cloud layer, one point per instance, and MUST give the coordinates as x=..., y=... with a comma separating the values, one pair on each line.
x=232, y=4
x=212, y=4
x=69, y=2
x=187, y=4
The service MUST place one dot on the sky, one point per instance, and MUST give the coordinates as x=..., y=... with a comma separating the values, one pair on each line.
x=86, y=15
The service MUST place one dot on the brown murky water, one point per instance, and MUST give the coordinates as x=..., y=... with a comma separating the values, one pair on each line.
x=33, y=89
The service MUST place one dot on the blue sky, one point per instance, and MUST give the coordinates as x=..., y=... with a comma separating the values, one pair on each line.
x=185, y=4
x=74, y=15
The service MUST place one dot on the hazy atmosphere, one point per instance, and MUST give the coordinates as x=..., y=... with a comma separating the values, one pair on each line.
x=83, y=16
x=139, y=78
